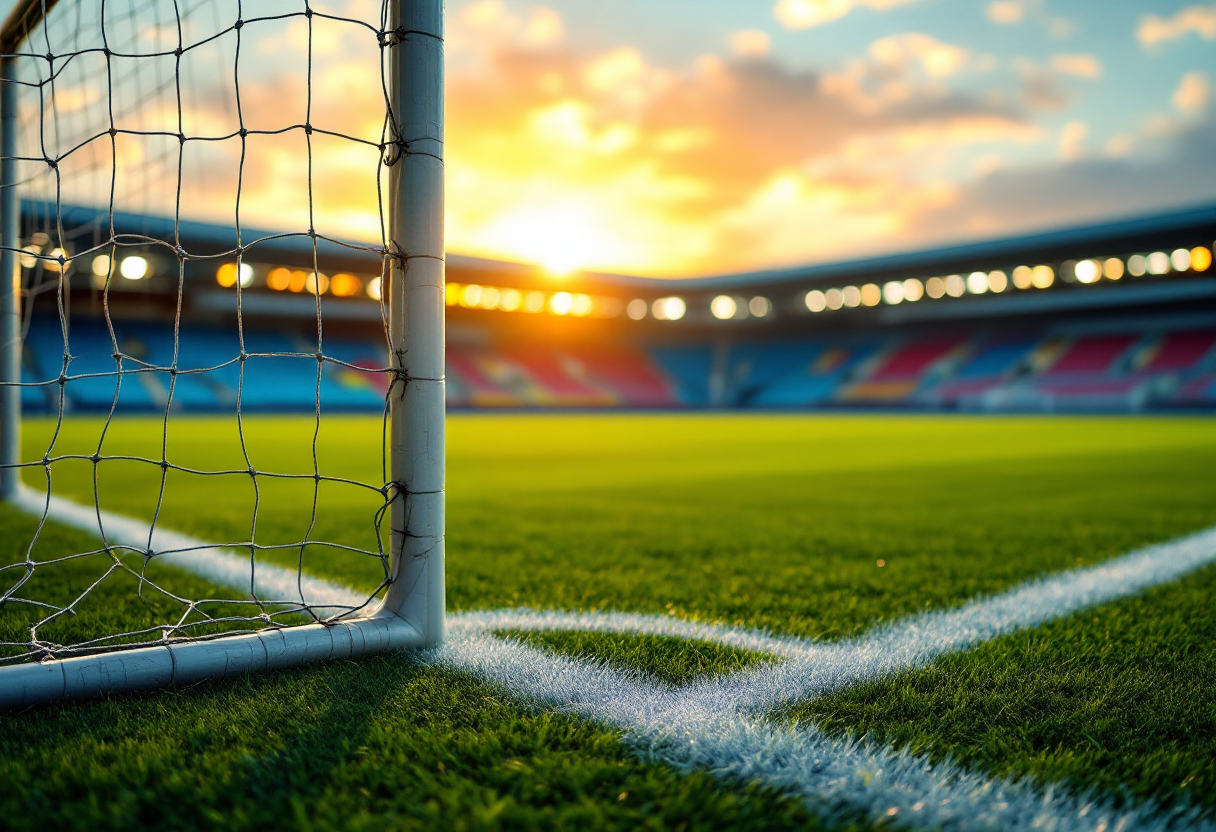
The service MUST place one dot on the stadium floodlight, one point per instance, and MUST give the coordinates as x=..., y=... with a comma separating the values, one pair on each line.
x=1042, y=277
x=55, y=54
x=723, y=307
x=668, y=309
x=816, y=301
x=1088, y=271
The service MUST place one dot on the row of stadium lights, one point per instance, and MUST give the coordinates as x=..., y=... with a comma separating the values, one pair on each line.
x=279, y=279
x=132, y=267
x=723, y=307
x=535, y=302
x=1197, y=259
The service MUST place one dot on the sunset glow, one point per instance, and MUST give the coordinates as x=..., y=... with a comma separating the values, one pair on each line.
x=690, y=137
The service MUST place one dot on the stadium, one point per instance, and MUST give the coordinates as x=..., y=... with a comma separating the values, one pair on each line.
x=1118, y=318
x=519, y=416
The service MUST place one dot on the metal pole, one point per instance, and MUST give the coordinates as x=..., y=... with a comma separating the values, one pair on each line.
x=10, y=285
x=417, y=309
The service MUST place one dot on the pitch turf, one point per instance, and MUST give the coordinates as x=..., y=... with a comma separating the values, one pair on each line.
x=777, y=522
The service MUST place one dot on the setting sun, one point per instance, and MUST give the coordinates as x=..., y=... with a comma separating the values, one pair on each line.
x=560, y=238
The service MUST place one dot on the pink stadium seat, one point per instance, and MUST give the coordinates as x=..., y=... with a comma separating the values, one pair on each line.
x=482, y=390
x=558, y=378
x=1181, y=351
x=1095, y=354
x=631, y=374
x=910, y=361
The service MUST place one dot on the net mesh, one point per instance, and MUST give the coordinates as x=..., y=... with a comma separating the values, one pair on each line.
x=138, y=119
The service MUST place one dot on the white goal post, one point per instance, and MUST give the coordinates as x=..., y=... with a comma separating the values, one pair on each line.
x=409, y=610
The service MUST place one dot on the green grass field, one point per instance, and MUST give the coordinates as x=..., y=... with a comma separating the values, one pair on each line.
x=806, y=525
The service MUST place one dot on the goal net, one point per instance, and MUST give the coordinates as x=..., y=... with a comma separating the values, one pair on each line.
x=170, y=162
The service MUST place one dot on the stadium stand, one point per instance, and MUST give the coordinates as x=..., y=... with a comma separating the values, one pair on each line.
x=968, y=371
x=989, y=335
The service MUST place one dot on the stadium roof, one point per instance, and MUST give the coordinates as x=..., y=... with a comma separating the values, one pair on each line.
x=1140, y=232
x=1131, y=234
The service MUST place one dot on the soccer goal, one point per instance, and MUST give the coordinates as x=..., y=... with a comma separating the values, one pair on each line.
x=171, y=143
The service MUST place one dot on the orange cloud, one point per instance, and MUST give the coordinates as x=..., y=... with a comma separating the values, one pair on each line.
x=1200, y=20
x=663, y=171
x=1082, y=66
x=804, y=14
x=1192, y=94
x=1006, y=12
x=600, y=160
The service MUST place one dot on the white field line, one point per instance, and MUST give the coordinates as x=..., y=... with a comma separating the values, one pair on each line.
x=718, y=724
x=219, y=565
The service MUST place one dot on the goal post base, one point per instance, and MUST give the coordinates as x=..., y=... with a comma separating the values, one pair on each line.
x=185, y=662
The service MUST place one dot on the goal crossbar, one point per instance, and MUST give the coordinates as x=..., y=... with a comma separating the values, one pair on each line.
x=26, y=14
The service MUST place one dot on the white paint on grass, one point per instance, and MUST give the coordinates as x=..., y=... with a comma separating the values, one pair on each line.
x=718, y=724
x=217, y=564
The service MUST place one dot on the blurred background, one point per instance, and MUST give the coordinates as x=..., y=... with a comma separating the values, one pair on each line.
x=933, y=204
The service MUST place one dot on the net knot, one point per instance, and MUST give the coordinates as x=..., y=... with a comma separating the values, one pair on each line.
x=307, y=128
x=393, y=37
x=393, y=151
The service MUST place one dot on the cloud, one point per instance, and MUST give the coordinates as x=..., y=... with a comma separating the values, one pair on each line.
x=897, y=69
x=750, y=43
x=1199, y=19
x=1119, y=146
x=1006, y=12
x=1081, y=66
x=1041, y=88
x=1192, y=94
x=804, y=14
x=1071, y=138
x=726, y=164
x=485, y=26
x=1018, y=200
x=936, y=59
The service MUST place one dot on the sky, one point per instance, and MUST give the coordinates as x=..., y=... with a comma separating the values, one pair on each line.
x=690, y=137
